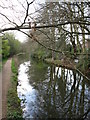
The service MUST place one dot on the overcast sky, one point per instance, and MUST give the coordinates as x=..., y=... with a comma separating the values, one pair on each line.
x=15, y=11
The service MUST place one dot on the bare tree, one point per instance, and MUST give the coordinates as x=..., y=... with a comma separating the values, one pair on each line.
x=62, y=15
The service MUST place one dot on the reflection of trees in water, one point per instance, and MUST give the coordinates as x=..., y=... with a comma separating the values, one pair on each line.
x=38, y=72
x=22, y=58
x=64, y=92
x=71, y=90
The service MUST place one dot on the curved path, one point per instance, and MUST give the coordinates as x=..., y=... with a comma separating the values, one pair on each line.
x=6, y=76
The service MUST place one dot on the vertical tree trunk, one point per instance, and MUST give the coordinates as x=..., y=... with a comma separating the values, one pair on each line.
x=83, y=35
x=71, y=28
x=73, y=40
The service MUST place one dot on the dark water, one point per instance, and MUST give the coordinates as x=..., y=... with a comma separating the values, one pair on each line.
x=52, y=92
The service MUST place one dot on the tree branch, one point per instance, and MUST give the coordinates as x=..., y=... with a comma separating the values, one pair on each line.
x=28, y=5
x=46, y=26
x=8, y=19
x=80, y=33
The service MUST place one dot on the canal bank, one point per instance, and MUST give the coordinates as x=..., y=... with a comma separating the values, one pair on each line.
x=14, y=111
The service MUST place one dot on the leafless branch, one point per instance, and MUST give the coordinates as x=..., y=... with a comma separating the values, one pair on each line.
x=28, y=5
x=36, y=40
x=8, y=19
x=47, y=26
x=79, y=33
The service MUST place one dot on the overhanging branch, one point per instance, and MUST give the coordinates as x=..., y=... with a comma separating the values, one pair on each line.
x=45, y=26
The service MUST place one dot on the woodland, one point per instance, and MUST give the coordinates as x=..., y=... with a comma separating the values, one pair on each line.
x=57, y=32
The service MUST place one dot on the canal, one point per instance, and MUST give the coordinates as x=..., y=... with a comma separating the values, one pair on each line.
x=47, y=91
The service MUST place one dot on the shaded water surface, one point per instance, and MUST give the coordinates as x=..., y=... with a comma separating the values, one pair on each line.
x=52, y=92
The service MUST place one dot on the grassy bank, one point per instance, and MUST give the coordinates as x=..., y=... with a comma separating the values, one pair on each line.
x=14, y=111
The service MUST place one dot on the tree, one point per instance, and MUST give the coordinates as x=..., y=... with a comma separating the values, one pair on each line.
x=5, y=48
x=12, y=44
x=15, y=45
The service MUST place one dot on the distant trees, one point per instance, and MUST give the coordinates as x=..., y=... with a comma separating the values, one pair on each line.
x=15, y=45
x=10, y=45
x=5, y=48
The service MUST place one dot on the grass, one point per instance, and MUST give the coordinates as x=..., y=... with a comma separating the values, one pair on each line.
x=14, y=111
x=0, y=65
x=2, y=62
x=13, y=67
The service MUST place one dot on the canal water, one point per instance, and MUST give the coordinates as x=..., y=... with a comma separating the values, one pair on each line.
x=47, y=91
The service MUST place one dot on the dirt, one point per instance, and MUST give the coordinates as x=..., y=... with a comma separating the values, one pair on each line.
x=6, y=75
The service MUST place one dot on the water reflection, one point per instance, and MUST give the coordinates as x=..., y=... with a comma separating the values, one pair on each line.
x=25, y=91
x=52, y=92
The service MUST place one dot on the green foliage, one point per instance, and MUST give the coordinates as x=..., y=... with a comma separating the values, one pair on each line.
x=10, y=45
x=40, y=53
x=5, y=48
x=14, y=70
x=0, y=47
x=2, y=63
x=0, y=66
x=0, y=55
x=14, y=110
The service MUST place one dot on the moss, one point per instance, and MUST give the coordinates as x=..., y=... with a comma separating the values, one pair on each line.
x=14, y=110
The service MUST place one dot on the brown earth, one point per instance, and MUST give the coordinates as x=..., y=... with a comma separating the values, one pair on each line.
x=6, y=75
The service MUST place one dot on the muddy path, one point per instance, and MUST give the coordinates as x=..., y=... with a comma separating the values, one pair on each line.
x=6, y=75
x=0, y=95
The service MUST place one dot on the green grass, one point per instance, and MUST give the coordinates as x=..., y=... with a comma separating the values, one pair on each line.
x=0, y=65
x=14, y=111
x=2, y=62
x=13, y=67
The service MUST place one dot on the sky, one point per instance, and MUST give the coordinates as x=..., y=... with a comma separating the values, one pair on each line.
x=22, y=37
x=15, y=11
